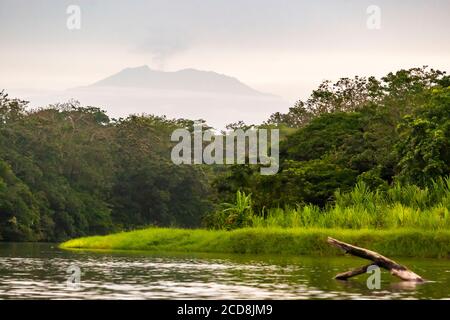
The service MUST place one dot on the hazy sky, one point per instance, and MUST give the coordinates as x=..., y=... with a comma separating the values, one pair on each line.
x=281, y=47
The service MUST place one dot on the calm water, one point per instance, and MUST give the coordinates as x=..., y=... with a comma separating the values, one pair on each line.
x=40, y=271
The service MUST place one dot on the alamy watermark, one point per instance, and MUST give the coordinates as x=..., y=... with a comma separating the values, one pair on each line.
x=374, y=280
x=73, y=21
x=234, y=147
x=374, y=19
x=74, y=277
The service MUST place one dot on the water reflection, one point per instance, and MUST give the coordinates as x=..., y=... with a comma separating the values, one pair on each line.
x=39, y=271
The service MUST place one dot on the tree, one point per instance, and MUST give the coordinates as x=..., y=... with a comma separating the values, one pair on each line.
x=424, y=148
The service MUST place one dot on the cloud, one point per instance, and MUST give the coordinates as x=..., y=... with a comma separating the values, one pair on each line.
x=163, y=44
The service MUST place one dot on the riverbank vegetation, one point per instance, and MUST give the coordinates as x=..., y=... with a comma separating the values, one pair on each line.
x=398, y=206
x=358, y=153
x=399, y=221
x=293, y=241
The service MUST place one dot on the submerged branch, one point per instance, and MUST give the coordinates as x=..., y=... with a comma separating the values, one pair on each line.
x=393, y=267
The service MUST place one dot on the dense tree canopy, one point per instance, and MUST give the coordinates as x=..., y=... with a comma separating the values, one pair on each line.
x=424, y=144
x=67, y=170
x=361, y=129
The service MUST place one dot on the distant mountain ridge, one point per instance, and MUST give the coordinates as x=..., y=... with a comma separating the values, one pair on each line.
x=182, y=80
x=187, y=93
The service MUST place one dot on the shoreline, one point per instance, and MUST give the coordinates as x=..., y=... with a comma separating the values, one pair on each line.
x=413, y=243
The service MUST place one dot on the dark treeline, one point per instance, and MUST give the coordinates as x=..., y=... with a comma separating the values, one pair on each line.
x=396, y=129
x=67, y=170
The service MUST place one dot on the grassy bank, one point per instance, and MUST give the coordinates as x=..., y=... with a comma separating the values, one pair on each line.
x=296, y=241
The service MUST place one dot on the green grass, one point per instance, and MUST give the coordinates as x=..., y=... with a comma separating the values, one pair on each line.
x=385, y=217
x=295, y=241
x=397, y=206
x=399, y=221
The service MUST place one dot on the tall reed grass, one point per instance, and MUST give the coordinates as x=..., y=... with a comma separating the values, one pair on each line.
x=398, y=207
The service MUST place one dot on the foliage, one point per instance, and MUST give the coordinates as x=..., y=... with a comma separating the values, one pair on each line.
x=358, y=153
x=294, y=241
x=375, y=131
x=67, y=171
x=424, y=147
x=400, y=206
x=232, y=215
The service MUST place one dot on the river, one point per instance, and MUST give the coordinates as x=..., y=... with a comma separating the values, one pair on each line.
x=40, y=271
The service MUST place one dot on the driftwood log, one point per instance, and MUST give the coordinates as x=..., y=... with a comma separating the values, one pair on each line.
x=393, y=267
